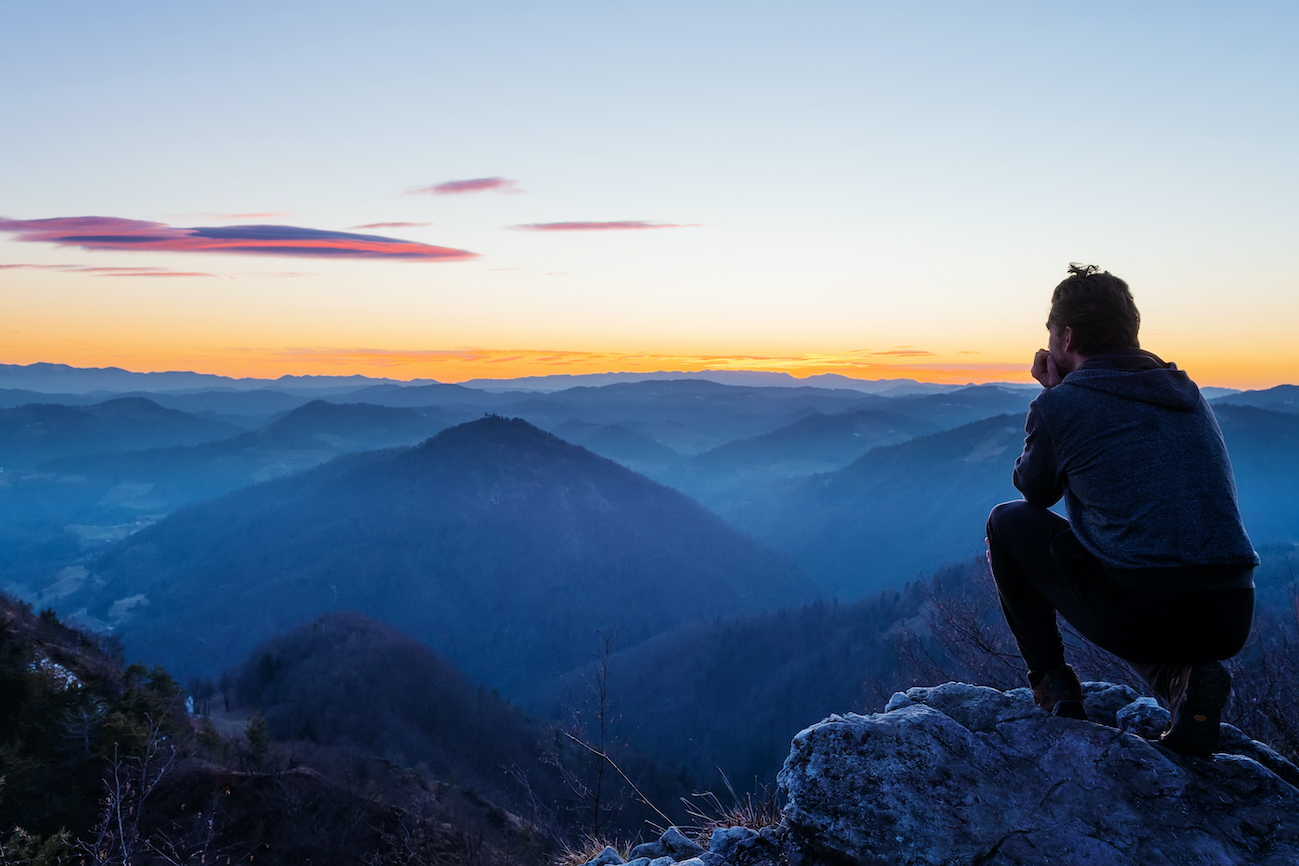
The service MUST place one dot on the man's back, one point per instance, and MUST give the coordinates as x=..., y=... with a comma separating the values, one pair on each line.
x=1140, y=461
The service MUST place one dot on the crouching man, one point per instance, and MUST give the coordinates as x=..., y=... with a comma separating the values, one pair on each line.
x=1153, y=563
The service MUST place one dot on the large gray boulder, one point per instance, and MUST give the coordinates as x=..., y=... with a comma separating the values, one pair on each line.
x=961, y=774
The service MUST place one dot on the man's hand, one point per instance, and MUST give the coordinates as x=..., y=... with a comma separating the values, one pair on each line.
x=1044, y=369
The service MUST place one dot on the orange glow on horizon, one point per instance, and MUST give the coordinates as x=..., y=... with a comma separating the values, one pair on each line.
x=460, y=365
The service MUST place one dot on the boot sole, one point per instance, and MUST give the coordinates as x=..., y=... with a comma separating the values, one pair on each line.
x=1195, y=730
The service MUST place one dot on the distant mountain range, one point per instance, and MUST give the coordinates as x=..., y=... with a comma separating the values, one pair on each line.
x=55, y=378
x=63, y=379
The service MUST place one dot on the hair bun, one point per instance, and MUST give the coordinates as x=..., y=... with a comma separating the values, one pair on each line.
x=1080, y=270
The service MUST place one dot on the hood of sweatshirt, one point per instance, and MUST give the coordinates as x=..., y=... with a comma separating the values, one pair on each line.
x=1137, y=375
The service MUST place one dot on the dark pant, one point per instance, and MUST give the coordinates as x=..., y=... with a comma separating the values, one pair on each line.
x=1041, y=569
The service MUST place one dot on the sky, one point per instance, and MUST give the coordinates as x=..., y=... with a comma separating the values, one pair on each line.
x=497, y=189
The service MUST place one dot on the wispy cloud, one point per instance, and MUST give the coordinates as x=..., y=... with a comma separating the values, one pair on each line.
x=115, y=233
x=615, y=225
x=112, y=272
x=903, y=350
x=476, y=184
x=391, y=225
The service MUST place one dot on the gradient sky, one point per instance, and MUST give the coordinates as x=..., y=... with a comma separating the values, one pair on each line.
x=498, y=189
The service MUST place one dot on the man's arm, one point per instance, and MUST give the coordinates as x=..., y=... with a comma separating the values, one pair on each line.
x=1038, y=474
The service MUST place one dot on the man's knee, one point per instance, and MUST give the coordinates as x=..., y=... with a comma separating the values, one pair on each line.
x=1003, y=515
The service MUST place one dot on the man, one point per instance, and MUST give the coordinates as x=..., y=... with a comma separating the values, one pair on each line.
x=1153, y=563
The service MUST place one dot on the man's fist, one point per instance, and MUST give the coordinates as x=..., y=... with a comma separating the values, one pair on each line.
x=1044, y=369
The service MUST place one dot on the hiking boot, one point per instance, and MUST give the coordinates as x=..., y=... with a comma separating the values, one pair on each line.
x=1197, y=694
x=1058, y=691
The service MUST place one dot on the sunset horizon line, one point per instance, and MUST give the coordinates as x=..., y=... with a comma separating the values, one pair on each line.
x=523, y=367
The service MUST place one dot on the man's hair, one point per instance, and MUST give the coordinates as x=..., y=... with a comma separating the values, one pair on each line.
x=1098, y=307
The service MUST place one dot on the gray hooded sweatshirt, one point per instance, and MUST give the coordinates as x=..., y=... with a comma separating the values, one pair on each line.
x=1135, y=451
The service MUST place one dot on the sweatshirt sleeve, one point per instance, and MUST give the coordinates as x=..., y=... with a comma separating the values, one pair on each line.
x=1038, y=474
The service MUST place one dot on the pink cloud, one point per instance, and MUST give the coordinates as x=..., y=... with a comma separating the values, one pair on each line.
x=617, y=225
x=114, y=233
x=477, y=184
x=391, y=225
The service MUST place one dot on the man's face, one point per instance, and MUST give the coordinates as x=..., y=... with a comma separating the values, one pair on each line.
x=1055, y=346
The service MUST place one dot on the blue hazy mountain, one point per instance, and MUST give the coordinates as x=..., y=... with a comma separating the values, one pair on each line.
x=894, y=514
x=634, y=450
x=499, y=545
x=38, y=432
x=902, y=510
x=120, y=487
x=1264, y=449
x=1282, y=398
x=813, y=444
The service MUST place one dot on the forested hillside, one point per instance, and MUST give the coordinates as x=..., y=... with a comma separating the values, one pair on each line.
x=499, y=545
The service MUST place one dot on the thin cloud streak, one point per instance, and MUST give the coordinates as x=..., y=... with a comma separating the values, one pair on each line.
x=459, y=187
x=112, y=272
x=115, y=233
x=391, y=225
x=615, y=225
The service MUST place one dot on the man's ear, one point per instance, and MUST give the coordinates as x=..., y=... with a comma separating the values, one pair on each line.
x=1066, y=339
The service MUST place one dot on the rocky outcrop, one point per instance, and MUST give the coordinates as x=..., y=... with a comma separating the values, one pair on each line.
x=736, y=846
x=961, y=774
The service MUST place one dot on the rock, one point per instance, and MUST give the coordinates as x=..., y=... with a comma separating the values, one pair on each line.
x=708, y=858
x=638, y=861
x=607, y=857
x=725, y=840
x=675, y=843
x=663, y=861
x=652, y=850
x=961, y=774
x=1143, y=717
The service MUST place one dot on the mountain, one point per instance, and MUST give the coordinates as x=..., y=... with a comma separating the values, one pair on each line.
x=251, y=407
x=41, y=431
x=689, y=416
x=13, y=397
x=621, y=445
x=424, y=395
x=901, y=510
x=501, y=546
x=122, y=485
x=973, y=403
x=52, y=517
x=346, y=679
x=55, y=378
x=896, y=513
x=746, y=378
x=309, y=435
x=1264, y=449
x=816, y=443
x=733, y=691
x=1282, y=398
